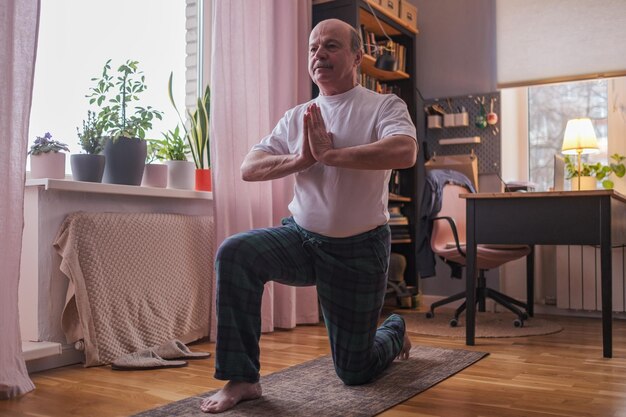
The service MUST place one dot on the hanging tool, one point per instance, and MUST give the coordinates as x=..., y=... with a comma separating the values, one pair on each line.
x=492, y=117
x=480, y=121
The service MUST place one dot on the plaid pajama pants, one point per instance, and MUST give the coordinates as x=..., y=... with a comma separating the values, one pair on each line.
x=350, y=275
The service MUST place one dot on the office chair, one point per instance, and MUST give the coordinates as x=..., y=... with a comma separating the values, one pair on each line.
x=448, y=242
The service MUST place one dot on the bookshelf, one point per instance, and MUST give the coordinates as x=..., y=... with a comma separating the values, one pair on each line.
x=403, y=202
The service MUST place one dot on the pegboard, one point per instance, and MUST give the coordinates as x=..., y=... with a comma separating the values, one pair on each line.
x=488, y=150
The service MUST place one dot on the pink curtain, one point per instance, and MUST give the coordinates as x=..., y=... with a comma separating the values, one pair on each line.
x=19, y=21
x=258, y=71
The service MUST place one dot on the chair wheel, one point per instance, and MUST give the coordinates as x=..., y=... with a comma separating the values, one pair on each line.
x=524, y=316
x=518, y=323
x=430, y=315
x=454, y=322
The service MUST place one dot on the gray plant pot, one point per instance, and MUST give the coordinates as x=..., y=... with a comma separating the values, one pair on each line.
x=125, y=160
x=86, y=167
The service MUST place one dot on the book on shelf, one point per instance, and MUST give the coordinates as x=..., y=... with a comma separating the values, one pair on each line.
x=373, y=84
x=393, y=197
x=375, y=47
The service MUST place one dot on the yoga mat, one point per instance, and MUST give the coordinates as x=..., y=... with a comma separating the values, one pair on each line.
x=313, y=389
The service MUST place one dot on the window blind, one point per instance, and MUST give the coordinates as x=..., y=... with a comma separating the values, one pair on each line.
x=543, y=41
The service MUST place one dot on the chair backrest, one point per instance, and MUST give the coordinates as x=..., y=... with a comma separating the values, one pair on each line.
x=452, y=206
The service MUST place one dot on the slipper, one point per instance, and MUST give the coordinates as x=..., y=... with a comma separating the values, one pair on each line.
x=175, y=349
x=144, y=360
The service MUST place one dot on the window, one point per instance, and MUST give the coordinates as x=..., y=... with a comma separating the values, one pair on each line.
x=76, y=38
x=549, y=109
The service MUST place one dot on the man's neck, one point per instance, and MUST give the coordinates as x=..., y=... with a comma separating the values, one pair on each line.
x=335, y=90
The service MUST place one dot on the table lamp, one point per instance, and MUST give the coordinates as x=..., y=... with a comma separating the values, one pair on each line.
x=579, y=138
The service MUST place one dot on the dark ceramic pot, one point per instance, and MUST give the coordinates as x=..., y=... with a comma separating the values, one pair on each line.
x=86, y=167
x=125, y=160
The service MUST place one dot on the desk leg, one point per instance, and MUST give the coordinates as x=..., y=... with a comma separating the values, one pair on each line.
x=470, y=274
x=607, y=277
x=530, y=282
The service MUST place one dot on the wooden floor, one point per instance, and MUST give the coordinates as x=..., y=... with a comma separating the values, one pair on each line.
x=562, y=374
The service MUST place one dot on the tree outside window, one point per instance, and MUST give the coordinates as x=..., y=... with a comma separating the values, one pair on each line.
x=549, y=109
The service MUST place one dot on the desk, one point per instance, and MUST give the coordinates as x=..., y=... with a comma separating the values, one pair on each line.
x=548, y=218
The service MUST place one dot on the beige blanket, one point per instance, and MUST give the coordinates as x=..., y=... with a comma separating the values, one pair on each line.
x=136, y=280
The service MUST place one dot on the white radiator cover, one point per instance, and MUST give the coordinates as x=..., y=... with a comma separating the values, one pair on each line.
x=579, y=279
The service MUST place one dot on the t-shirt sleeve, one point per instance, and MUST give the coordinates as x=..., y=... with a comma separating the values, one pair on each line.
x=394, y=119
x=276, y=143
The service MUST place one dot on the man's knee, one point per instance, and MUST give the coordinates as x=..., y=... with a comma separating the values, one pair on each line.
x=230, y=247
x=353, y=378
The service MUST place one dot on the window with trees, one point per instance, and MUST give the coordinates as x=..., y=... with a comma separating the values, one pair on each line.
x=549, y=109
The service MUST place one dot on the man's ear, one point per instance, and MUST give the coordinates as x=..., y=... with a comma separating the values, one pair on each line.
x=358, y=58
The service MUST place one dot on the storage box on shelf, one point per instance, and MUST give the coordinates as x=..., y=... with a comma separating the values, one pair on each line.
x=408, y=14
x=392, y=6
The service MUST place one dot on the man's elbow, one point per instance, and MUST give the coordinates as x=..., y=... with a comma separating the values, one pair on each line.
x=408, y=156
x=247, y=174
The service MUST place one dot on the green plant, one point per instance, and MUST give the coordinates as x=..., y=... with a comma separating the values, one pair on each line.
x=45, y=144
x=172, y=147
x=598, y=170
x=116, y=94
x=198, y=133
x=90, y=138
x=151, y=152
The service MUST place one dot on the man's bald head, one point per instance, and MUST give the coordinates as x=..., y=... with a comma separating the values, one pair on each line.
x=355, y=39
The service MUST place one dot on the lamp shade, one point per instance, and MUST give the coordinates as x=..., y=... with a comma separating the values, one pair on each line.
x=386, y=62
x=579, y=137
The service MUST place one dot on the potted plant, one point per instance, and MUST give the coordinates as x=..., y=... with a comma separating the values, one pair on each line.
x=590, y=173
x=154, y=172
x=198, y=136
x=46, y=157
x=89, y=166
x=174, y=149
x=123, y=121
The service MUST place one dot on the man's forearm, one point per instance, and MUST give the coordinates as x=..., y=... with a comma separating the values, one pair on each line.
x=396, y=152
x=262, y=166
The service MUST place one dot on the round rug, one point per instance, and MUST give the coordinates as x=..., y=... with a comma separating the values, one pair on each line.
x=487, y=325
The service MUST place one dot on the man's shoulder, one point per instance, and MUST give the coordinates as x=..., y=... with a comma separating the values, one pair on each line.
x=298, y=109
x=374, y=96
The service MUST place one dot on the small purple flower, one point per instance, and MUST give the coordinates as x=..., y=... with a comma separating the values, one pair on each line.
x=45, y=144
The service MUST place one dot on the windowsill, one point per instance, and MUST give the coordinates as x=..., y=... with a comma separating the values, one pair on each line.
x=39, y=350
x=93, y=187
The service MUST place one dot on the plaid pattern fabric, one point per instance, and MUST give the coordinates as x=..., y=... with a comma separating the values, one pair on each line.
x=350, y=274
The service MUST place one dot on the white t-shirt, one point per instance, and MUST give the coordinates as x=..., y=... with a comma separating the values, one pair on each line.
x=333, y=201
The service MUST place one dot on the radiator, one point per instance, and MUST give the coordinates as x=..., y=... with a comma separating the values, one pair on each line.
x=578, y=284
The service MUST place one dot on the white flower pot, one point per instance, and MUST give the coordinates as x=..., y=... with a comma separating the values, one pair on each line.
x=181, y=175
x=154, y=175
x=48, y=165
x=586, y=183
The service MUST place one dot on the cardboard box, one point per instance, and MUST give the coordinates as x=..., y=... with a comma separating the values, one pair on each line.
x=392, y=6
x=408, y=14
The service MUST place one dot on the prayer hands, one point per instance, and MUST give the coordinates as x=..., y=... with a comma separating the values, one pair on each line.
x=319, y=140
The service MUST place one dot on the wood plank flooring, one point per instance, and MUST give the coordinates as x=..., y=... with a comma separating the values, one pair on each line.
x=562, y=374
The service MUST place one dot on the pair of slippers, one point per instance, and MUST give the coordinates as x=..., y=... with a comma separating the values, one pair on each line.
x=168, y=355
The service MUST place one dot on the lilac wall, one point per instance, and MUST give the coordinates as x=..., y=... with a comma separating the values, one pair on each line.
x=456, y=47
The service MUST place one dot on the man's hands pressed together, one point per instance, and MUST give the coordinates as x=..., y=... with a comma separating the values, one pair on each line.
x=320, y=141
x=397, y=151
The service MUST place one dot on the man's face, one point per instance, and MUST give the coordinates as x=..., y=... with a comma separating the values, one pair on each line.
x=332, y=64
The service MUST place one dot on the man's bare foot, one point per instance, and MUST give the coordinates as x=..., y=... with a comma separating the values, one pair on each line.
x=229, y=396
x=406, y=348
